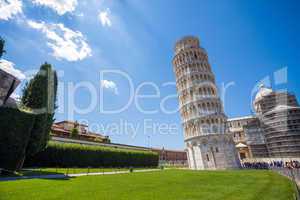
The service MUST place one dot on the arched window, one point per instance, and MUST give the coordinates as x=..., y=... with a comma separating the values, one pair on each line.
x=217, y=150
x=203, y=106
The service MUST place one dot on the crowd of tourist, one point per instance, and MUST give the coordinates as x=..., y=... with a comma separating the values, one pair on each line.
x=293, y=164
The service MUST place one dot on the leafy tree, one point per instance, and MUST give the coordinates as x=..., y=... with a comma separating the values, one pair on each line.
x=2, y=43
x=30, y=133
x=74, y=132
x=39, y=95
x=106, y=140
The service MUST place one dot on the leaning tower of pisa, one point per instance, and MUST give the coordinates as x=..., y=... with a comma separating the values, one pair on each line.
x=207, y=143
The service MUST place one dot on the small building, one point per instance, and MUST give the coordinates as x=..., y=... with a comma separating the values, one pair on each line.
x=171, y=157
x=64, y=129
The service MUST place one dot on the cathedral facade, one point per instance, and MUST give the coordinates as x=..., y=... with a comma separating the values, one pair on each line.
x=274, y=129
x=208, y=144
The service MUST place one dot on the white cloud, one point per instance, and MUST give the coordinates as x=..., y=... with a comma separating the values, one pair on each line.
x=65, y=43
x=60, y=6
x=110, y=85
x=9, y=8
x=9, y=67
x=104, y=17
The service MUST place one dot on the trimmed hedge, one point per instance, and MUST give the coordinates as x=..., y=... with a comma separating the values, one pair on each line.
x=76, y=155
x=15, y=128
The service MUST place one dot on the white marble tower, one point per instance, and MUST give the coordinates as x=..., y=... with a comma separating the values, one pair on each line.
x=207, y=142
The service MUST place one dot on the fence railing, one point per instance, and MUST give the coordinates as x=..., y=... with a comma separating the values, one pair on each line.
x=293, y=174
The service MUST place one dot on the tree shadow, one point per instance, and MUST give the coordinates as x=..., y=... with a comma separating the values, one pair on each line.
x=34, y=174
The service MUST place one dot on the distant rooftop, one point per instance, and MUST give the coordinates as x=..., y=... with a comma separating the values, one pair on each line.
x=71, y=122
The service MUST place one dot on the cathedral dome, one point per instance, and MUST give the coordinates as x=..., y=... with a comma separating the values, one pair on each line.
x=262, y=92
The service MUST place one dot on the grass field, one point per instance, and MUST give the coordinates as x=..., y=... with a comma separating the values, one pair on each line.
x=160, y=185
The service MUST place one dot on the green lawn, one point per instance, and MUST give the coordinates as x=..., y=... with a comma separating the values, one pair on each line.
x=160, y=185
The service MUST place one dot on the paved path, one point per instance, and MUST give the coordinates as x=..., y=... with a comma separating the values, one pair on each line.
x=64, y=176
x=110, y=173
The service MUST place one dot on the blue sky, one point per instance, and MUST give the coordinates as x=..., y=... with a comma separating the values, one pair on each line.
x=246, y=42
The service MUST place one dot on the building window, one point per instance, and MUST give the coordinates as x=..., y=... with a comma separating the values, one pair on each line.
x=207, y=157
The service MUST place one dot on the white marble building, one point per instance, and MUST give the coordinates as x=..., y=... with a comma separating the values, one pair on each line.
x=209, y=146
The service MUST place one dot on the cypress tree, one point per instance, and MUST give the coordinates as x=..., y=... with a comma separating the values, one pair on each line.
x=39, y=95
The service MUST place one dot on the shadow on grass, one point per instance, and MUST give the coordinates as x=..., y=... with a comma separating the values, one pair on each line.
x=33, y=174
